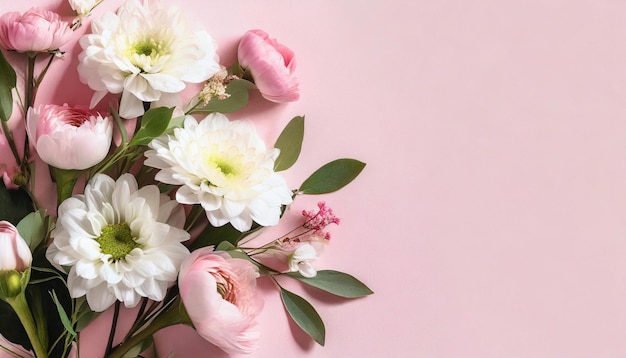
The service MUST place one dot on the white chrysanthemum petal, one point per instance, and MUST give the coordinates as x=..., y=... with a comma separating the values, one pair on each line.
x=118, y=241
x=224, y=166
x=147, y=53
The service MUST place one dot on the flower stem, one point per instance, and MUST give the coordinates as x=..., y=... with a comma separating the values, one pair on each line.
x=30, y=82
x=9, y=136
x=65, y=181
x=20, y=306
x=172, y=315
x=116, y=315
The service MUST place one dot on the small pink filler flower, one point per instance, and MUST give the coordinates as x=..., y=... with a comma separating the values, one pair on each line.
x=37, y=30
x=271, y=66
x=218, y=293
x=69, y=137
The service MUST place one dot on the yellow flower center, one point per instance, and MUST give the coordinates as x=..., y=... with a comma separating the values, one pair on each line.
x=117, y=241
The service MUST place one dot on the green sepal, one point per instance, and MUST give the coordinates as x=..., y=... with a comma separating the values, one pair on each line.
x=335, y=282
x=305, y=316
x=235, y=69
x=153, y=124
x=13, y=283
x=332, y=176
x=290, y=144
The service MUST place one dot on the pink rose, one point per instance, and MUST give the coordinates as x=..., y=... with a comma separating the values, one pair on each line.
x=38, y=30
x=271, y=66
x=14, y=252
x=218, y=293
x=69, y=137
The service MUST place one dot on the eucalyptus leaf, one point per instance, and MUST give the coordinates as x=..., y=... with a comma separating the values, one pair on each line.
x=212, y=235
x=34, y=228
x=237, y=99
x=8, y=80
x=332, y=176
x=154, y=123
x=335, y=282
x=15, y=204
x=290, y=143
x=304, y=315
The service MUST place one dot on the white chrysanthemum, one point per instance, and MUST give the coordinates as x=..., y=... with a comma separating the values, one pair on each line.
x=147, y=53
x=224, y=166
x=122, y=243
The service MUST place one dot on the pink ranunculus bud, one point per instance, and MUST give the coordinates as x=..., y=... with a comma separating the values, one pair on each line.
x=69, y=137
x=218, y=293
x=37, y=30
x=271, y=66
x=14, y=252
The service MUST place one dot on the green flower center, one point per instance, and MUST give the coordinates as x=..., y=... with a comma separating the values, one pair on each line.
x=148, y=47
x=117, y=241
x=226, y=168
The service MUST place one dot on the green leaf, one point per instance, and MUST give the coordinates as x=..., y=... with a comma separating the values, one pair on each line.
x=212, y=235
x=335, y=282
x=15, y=204
x=304, y=315
x=238, y=91
x=332, y=176
x=154, y=123
x=7, y=83
x=290, y=143
x=34, y=228
x=64, y=318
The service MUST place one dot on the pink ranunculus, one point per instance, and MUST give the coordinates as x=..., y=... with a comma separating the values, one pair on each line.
x=69, y=137
x=271, y=66
x=37, y=30
x=218, y=293
x=14, y=252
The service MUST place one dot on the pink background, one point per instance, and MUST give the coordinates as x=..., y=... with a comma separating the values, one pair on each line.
x=489, y=220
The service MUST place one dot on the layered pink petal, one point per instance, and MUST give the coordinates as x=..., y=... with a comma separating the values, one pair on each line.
x=271, y=65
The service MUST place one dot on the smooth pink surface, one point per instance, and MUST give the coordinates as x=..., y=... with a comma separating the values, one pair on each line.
x=490, y=218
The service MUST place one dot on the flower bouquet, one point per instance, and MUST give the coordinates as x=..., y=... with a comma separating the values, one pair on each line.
x=158, y=200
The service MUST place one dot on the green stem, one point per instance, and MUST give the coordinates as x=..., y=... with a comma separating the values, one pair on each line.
x=174, y=314
x=30, y=82
x=116, y=314
x=20, y=306
x=9, y=137
x=65, y=181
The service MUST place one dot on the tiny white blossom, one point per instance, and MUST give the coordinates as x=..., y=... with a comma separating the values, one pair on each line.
x=300, y=260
